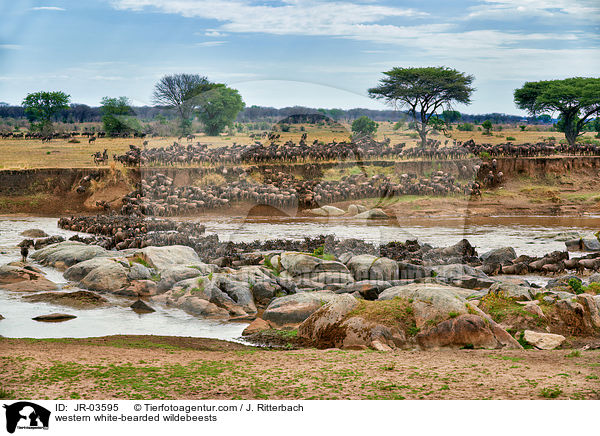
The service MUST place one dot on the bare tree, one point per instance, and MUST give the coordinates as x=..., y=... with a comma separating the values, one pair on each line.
x=180, y=91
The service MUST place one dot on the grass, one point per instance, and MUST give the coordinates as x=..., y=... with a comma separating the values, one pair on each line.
x=551, y=392
x=501, y=308
x=141, y=261
x=396, y=312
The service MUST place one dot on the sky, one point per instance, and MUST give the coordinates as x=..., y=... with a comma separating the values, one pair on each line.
x=279, y=53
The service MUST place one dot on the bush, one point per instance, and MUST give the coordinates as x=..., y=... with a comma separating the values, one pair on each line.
x=465, y=127
x=511, y=138
x=576, y=285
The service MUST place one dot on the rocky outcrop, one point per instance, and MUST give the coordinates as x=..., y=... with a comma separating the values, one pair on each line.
x=294, y=309
x=502, y=256
x=34, y=233
x=416, y=315
x=368, y=267
x=24, y=279
x=108, y=276
x=65, y=254
x=168, y=256
x=463, y=276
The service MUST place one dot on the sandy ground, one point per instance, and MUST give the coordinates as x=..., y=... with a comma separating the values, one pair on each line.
x=147, y=367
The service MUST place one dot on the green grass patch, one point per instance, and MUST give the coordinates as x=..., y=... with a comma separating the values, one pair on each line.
x=551, y=392
x=396, y=312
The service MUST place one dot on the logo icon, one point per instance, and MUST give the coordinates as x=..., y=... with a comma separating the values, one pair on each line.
x=26, y=415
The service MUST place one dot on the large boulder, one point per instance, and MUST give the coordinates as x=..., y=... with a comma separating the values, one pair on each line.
x=369, y=267
x=293, y=309
x=431, y=302
x=77, y=299
x=499, y=255
x=469, y=330
x=78, y=271
x=137, y=271
x=24, y=279
x=162, y=258
x=409, y=271
x=327, y=211
x=590, y=244
x=107, y=277
x=333, y=325
x=173, y=274
x=463, y=276
x=579, y=315
x=515, y=292
x=34, y=233
x=65, y=254
x=372, y=214
x=543, y=341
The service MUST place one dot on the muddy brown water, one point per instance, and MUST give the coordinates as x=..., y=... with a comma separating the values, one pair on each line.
x=528, y=235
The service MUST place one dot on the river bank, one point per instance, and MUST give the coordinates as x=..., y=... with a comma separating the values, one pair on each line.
x=117, y=367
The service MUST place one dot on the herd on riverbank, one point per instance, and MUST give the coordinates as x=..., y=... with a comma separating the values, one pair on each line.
x=325, y=292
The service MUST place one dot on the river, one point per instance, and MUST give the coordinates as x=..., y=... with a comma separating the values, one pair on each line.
x=527, y=235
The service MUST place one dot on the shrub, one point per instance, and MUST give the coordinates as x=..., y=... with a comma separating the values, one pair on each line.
x=466, y=127
x=576, y=285
x=511, y=138
x=551, y=392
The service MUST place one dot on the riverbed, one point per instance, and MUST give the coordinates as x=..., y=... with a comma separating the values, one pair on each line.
x=527, y=235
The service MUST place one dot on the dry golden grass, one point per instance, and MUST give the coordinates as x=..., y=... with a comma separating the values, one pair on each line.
x=25, y=153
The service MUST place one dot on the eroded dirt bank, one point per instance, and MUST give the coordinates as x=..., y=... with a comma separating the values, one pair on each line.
x=129, y=367
x=532, y=186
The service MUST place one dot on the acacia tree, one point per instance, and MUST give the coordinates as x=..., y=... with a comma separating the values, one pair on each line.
x=576, y=99
x=423, y=91
x=218, y=108
x=41, y=106
x=181, y=91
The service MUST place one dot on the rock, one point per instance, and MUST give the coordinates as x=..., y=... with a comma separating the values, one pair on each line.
x=467, y=330
x=54, y=317
x=77, y=299
x=331, y=326
x=368, y=267
x=293, y=309
x=543, y=341
x=464, y=276
x=162, y=258
x=108, y=277
x=298, y=263
x=594, y=278
x=590, y=244
x=78, y=271
x=1, y=317
x=327, y=211
x=499, y=255
x=256, y=326
x=140, y=307
x=173, y=274
x=199, y=307
x=68, y=253
x=13, y=274
x=380, y=346
x=562, y=281
x=430, y=301
x=373, y=214
x=139, y=288
x=34, y=233
x=508, y=290
x=533, y=308
x=580, y=315
x=331, y=278
x=368, y=289
x=263, y=292
x=137, y=271
x=408, y=271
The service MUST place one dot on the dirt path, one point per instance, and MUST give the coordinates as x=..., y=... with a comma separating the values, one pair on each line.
x=147, y=367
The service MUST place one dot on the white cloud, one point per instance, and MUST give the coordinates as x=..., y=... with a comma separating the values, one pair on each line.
x=580, y=9
x=10, y=47
x=47, y=8
x=210, y=43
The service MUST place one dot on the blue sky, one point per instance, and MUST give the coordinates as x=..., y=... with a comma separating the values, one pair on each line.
x=291, y=52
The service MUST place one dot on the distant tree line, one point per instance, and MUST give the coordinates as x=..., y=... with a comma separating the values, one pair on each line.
x=82, y=113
